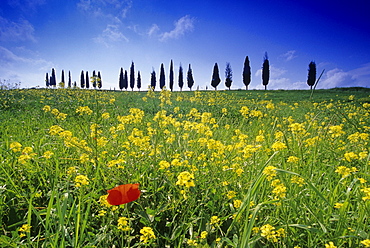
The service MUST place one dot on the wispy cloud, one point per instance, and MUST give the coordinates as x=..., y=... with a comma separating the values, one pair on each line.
x=111, y=9
x=110, y=34
x=183, y=25
x=153, y=30
x=16, y=31
x=288, y=56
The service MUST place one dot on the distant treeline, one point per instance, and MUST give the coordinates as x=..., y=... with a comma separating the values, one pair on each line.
x=125, y=81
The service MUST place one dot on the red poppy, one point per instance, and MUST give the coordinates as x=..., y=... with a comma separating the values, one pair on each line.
x=123, y=194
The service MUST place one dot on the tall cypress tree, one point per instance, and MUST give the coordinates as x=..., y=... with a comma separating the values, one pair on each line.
x=94, y=81
x=138, y=80
x=215, y=77
x=171, y=75
x=100, y=82
x=82, y=80
x=69, y=80
x=121, y=83
x=62, y=81
x=47, y=80
x=125, y=80
x=311, y=74
x=153, y=80
x=265, y=71
x=246, y=73
x=181, y=78
x=132, y=76
x=53, y=81
x=87, y=82
x=162, y=80
x=190, y=78
x=228, y=76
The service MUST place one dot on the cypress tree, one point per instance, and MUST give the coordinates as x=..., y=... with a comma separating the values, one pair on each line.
x=246, y=73
x=162, y=80
x=265, y=71
x=215, y=77
x=132, y=76
x=53, y=81
x=82, y=80
x=311, y=74
x=47, y=80
x=138, y=80
x=190, y=78
x=228, y=76
x=87, y=82
x=121, y=79
x=181, y=78
x=171, y=75
x=69, y=80
x=153, y=80
x=94, y=80
x=100, y=82
x=62, y=81
x=125, y=80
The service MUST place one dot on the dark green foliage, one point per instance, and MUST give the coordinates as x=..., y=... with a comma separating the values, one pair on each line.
x=181, y=78
x=162, y=78
x=47, y=80
x=62, y=81
x=265, y=71
x=190, y=78
x=132, y=76
x=311, y=74
x=121, y=79
x=69, y=79
x=53, y=80
x=125, y=80
x=87, y=82
x=228, y=76
x=215, y=77
x=94, y=81
x=138, y=81
x=171, y=75
x=246, y=73
x=82, y=80
x=153, y=80
x=100, y=82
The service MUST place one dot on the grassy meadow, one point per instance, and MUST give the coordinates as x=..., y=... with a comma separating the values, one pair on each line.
x=215, y=168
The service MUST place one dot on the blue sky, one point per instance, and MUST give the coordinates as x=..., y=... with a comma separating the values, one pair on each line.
x=105, y=35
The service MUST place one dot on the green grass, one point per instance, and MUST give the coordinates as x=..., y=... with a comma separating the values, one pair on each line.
x=269, y=168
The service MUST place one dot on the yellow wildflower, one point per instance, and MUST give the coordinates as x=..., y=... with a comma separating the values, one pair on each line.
x=278, y=146
x=367, y=194
x=231, y=194
x=147, y=234
x=15, y=146
x=24, y=229
x=270, y=172
x=293, y=159
x=297, y=180
x=123, y=224
x=185, y=179
x=46, y=108
x=192, y=242
x=203, y=234
x=81, y=180
x=330, y=245
x=48, y=154
x=366, y=242
x=338, y=205
x=214, y=220
x=237, y=203
x=105, y=115
x=163, y=165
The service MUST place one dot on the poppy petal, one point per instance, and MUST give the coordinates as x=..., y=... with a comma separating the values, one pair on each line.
x=123, y=194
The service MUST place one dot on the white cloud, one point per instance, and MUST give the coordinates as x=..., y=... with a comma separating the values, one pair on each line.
x=111, y=9
x=153, y=30
x=28, y=70
x=16, y=31
x=289, y=55
x=183, y=25
x=110, y=34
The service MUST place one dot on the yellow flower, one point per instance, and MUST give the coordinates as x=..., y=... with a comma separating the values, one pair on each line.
x=185, y=179
x=84, y=110
x=46, y=108
x=237, y=203
x=84, y=158
x=297, y=180
x=349, y=156
x=24, y=229
x=123, y=224
x=231, y=194
x=81, y=180
x=278, y=146
x=345, y=171
x=330, y=245
x=367, y=193
x=239, y=172
x=105, y=115
x=338, y=205
x=192, y=242
x=15, y=146
x=163, y=165
x=147, y=234
x=336, y=131
x=203, y=234
x=366, y=242
x=214, y=220
x=22, y=159
x=48, y=154
x=27, y=150
x=270, y=172
x=293, y=159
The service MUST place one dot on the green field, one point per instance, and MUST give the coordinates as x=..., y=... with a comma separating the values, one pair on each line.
x=215, y=168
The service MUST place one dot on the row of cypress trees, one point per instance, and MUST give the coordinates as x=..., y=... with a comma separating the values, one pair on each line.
x=84, y=80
